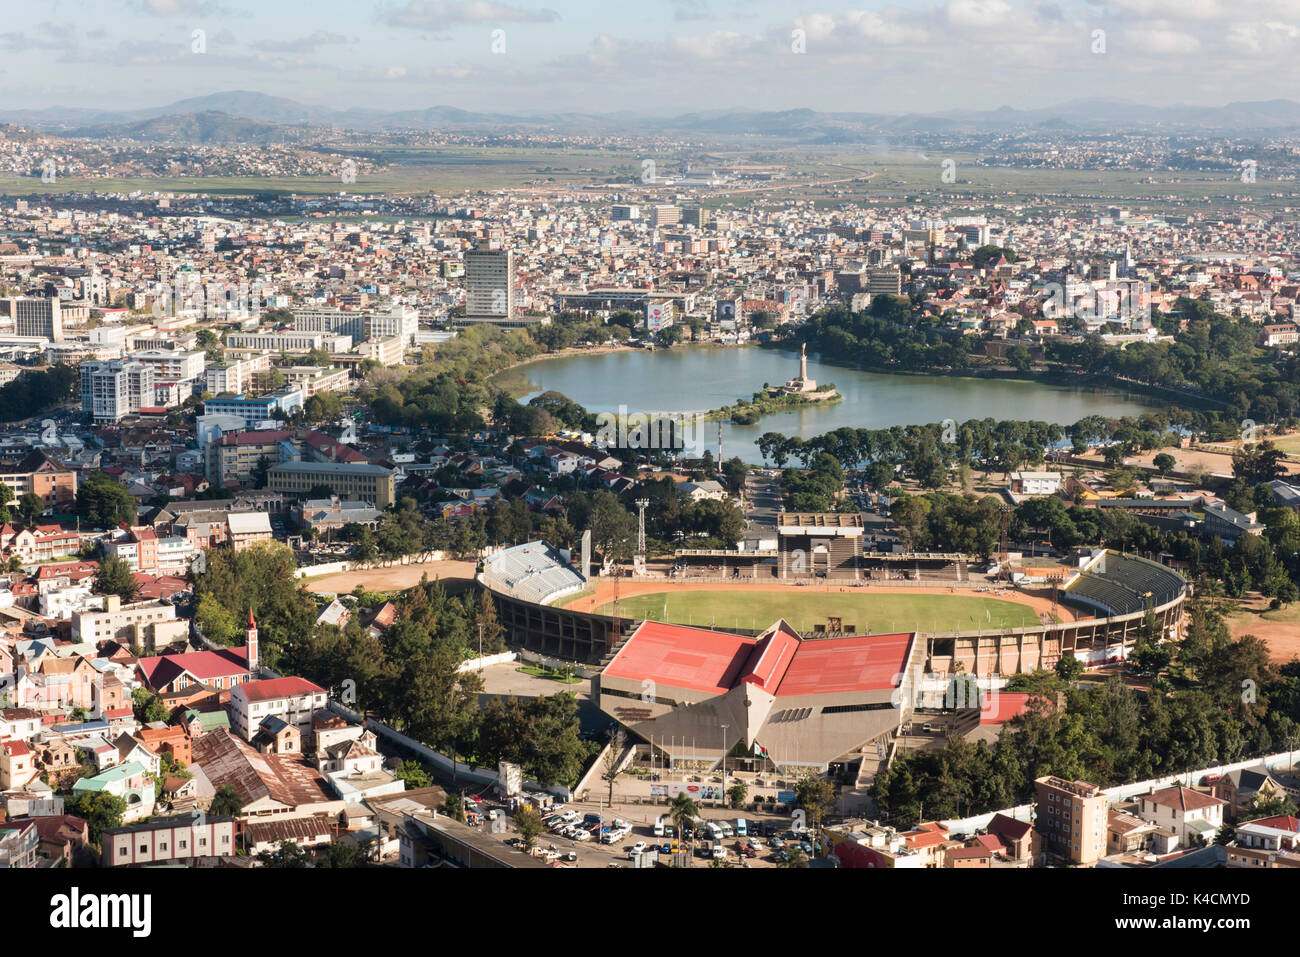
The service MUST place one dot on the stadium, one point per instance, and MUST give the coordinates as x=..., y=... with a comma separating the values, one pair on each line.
x=812, y=666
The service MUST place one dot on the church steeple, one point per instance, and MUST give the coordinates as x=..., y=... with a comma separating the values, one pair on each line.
x=250, y=639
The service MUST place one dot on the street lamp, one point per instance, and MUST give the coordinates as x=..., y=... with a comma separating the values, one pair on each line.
x=724, y=765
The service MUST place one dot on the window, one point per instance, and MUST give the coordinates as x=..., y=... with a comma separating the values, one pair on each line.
x=121, y=852
x=182, y=845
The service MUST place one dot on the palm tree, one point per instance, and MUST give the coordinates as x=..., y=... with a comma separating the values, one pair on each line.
x=683, y=811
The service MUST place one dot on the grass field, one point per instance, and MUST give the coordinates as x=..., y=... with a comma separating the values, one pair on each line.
x=882, y=613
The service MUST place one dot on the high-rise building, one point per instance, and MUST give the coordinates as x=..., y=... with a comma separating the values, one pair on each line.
x=1071, y=816
x=114, y=389
x=885, y=282
x=37, y=317
x=696, y=216
x=490, y=286
x=624, y=213
x=665, y=216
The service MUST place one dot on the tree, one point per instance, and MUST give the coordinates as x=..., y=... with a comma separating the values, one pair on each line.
x=683, y=811
x=30, y=507
x=816, y=796
x=287, y=854
x=103, y=500
x=610, y=768
x=258, y=474
x=345, y=854
x=116, y=578
x=147, y=706
x=1164, y=463
x=737, y=794
x=100, y=810
x=226, y=802
x=529, y=825
x=795, y=858
x=414, y=775
x=1069, y=668
x=454, y=807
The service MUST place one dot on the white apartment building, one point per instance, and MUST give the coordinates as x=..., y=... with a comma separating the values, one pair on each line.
x=293, y=700
x=388, y=352
x=173, y=365
x=120, y=622
x=289, y=341
x=117, y=388
x=1035, y=483
x=400, y=321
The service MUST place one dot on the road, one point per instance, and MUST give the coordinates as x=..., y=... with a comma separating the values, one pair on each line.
x=762, y=503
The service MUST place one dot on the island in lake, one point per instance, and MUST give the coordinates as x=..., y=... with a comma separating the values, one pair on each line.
x=801, y=390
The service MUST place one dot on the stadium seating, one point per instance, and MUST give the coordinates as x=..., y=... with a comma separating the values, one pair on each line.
x=1125, y=584
x=534, y=572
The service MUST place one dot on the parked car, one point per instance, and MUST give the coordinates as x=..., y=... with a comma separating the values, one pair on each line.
x=719, y=852
x=637, y=848
x=776, y=843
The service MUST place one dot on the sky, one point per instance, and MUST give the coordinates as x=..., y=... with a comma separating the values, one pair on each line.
x=660, y=57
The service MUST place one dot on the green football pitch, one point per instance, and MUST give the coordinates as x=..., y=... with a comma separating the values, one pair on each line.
x=860, y=610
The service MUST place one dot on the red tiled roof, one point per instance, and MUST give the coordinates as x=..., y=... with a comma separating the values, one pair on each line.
x=1282, y=822
x=160, y=670
x=1009, y=827
x=1182, y=799
x=268, y=689
x=972, y=852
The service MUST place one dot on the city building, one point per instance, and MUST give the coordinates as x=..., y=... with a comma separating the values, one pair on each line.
x=40, y=473
x=1071, y=817
x=117, y=388
x=292, y=700
x=289, y=341
x=1193, y=815
x=37, y=317
x=368, y=483
x=178, y=837
x=887, y=281
x=490, y=287
x=796, y=702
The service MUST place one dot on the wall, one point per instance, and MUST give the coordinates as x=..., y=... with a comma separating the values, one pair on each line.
x=1123, y=792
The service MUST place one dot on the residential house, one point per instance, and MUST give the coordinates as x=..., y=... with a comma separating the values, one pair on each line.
x=1193, y=815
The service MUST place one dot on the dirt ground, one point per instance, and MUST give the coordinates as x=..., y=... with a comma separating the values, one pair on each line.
x=1038, y=599
x=1283, y=637
x=396, y=578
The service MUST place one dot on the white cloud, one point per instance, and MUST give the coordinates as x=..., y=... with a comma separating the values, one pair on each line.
x=439, y=14
x=979, y=14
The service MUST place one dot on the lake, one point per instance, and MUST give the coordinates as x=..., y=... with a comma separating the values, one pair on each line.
x=699, y=378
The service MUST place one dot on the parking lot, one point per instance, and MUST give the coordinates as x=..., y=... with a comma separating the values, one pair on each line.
x=640, y=819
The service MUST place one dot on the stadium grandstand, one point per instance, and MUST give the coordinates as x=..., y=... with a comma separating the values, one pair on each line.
x=534, y=572
x=1118, y=584
x=793, y=700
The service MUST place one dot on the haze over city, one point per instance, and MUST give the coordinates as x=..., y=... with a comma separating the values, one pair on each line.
x=653, y=57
